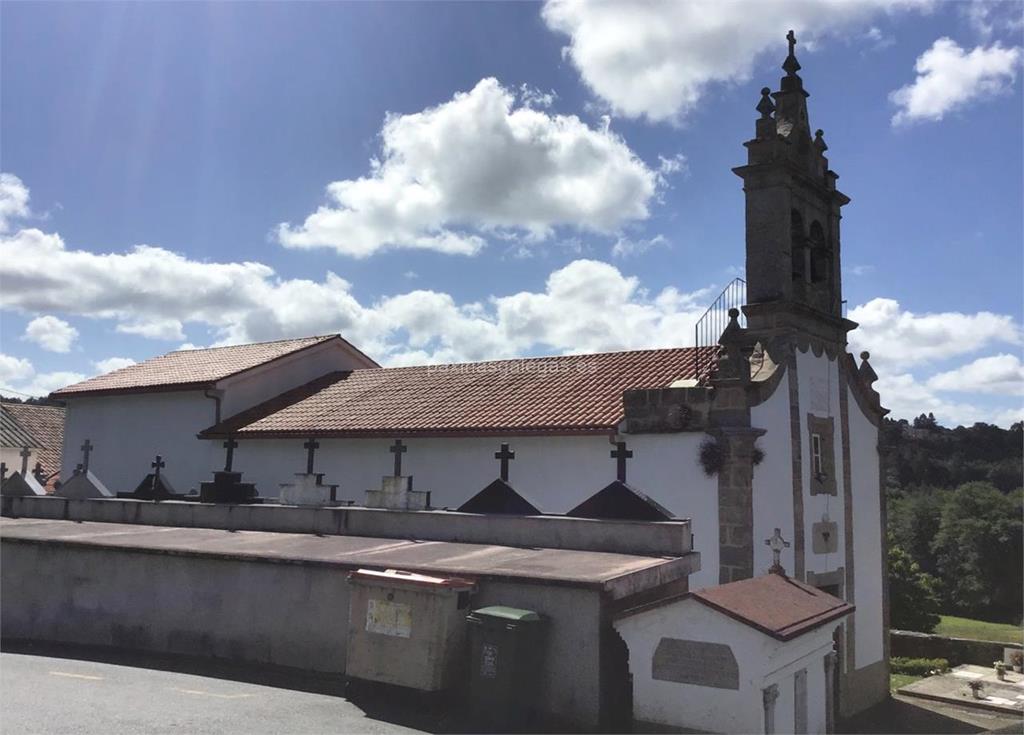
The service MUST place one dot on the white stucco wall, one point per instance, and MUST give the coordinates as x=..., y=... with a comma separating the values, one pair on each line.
x=11, y=456
x=773, y=478
x=127, y=431
x=867, y=540
x=762, y=661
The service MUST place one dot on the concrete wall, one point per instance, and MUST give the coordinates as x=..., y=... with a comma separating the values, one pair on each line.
x=289, y=614
x=671, y=538
x=762, y=661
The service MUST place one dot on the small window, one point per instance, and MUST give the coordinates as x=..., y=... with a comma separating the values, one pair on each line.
x=817, y=463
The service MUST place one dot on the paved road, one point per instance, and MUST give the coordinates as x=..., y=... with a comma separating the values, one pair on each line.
x=43, y=694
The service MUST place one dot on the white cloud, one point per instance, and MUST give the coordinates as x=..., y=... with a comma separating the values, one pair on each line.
x=587, y=305
x=51, y=333
x=14, y=369
x=657, y=59
x=898, y=338
x=907, y=398
x=999, y=374
x=477, y=165
x=13, y=200
x=987, y=17
x=862, y=270
x=164, y=329
x=625, y=247
x=950, y=78
x=43, y=384
x=113, y=363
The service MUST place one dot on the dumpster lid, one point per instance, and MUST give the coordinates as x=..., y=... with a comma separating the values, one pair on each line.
x=508, y=613
x=400, y=577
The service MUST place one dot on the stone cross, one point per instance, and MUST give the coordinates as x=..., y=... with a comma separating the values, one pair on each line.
x=25, y=453
x=791, y=37
x=3, y=471
x=86, y=450
x=620, y=454
x=38, y=472
x=398, y=449
x=230, y=445
x=156, y=465
x=777, y=544
x=310, y=446
x=505, y=455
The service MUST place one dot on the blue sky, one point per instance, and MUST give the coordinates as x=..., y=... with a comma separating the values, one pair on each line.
x=550, y=178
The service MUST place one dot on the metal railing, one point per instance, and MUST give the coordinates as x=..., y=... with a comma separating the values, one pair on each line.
x=714, y=321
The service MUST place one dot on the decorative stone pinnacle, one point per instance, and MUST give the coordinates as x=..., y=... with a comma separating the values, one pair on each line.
x=766, y=107
x=819, y=140
x=734, y=313
x=865, y=355
x=791, y=66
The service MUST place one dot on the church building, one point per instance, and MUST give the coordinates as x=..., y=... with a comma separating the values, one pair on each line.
x=766, y=437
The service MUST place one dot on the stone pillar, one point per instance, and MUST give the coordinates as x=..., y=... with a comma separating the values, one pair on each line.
x=830, y=696
x=736, y=502
x=768, y=697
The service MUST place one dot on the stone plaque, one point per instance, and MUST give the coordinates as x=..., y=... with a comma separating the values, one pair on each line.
x=695, y=662
x=825, y=537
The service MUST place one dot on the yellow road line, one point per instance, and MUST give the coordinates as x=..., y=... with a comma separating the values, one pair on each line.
x=76, y=676
x=201, y=693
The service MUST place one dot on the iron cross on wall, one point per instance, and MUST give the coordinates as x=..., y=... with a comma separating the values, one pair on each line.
x=398, y=449
x=620, y=454
x=504, y=456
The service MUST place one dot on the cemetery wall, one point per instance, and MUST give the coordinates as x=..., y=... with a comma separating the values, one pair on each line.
x=910, y=644
x=291, y=613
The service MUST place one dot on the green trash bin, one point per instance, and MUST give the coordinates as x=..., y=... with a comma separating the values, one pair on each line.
x=507, y=649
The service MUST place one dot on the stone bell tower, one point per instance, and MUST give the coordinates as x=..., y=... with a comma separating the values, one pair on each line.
x=792, y=218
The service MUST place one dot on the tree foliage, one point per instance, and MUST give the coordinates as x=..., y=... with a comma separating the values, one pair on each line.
x=913, y=598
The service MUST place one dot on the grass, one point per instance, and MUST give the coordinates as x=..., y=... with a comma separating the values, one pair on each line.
x=979, y=630
x=901, y=680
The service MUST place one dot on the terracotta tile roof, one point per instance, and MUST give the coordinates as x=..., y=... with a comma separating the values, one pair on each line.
x=189, y=368
x=12, y=433
x=46, y=425
x=774, y=604
x=567, y=394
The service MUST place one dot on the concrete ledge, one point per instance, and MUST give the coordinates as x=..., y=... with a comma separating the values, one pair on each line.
x=667, y=538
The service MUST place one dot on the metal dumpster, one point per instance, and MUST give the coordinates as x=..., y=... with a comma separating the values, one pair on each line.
x=407, y=629
x=506, y=653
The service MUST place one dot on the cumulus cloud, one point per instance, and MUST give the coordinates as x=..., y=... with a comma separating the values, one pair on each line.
x=113, y=363
x=164, y=329
x=656, y=59
x=988, y=17
x=13, y=200
x=51, y=333
x=585, y=306
x=898, y=338
x=479, y=164
x=14, y=369
x=950, y=78
x=907, y=397
x=1000, y=374
x=625, y=247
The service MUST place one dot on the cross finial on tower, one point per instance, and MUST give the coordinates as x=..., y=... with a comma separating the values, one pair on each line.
x=620, y=454
x=791, y=66
x=311, y=446
x=398, y=449
x=777, y=544
x=504, y=455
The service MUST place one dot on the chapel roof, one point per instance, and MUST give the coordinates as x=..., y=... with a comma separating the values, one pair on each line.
x=46, y=425
x=568, y=394
x=12, y=433
x=191, y=369
x=774, y=604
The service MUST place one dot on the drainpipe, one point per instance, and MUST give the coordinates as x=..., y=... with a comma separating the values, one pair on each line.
x=216, y=398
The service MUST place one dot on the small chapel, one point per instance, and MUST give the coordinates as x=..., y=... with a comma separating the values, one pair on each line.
x=764, y=435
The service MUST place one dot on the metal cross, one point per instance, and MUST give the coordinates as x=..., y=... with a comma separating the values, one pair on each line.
x=156, y=465
x=230, y=445
x=3, y=471
x=25, y=453
x=777, y=544
x=86, y=449
x=398, y=449
x=505, y=455
x=311, y=446
x=621, y=454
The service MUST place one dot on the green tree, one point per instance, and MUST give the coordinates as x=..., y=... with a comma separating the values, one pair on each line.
x=913, y=601
x=914, y=520
x=978, y=551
